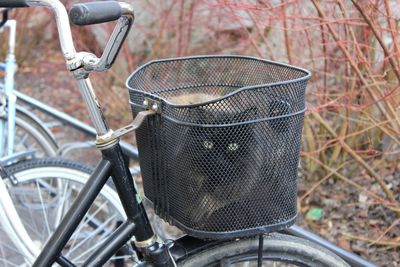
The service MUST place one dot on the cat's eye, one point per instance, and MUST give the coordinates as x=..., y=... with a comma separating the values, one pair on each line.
x=233, y=147
x=208, y=144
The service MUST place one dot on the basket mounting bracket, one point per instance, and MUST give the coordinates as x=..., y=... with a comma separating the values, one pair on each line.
x=113, y=135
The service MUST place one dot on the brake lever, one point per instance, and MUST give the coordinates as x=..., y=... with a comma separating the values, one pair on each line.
x=112, y=49
x=88, y=61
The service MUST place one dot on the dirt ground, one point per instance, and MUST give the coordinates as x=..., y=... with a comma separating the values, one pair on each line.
x=350, y=219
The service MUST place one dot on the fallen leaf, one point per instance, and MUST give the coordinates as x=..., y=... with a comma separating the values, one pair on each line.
x=315, y=214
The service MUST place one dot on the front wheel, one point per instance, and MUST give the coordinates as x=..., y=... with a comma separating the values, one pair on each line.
x=42, y=192
x=278, y=250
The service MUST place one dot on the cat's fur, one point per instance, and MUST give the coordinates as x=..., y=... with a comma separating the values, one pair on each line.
x=191, y=98
x=222, y=169
x=219, y=160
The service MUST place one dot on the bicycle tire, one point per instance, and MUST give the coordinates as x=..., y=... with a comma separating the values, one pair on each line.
x=278, y=248
x=29, y=134
x=44, y=174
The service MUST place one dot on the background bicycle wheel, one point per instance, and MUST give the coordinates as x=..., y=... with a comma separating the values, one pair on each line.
x=45, y=190
x=29, y=135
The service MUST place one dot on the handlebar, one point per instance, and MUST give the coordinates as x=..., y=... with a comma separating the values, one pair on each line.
x=13, y=3
x=95, y=12
x=82, y=63
x=99, y=12
x=84, y=14
x=67, y=45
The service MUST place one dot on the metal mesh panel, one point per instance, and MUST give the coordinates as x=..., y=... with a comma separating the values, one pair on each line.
x=221, y=159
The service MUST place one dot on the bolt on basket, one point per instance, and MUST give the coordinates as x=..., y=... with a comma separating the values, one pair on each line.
x=220, y=159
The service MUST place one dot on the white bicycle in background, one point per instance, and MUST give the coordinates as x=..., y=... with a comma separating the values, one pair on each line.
x=20, y=129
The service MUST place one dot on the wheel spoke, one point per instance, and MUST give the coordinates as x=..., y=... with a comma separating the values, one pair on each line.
x=9, y=262
x=88, y=218
x=22, y=140
x=62, y=201
x=22, y=195
x=43, y=207
x=94, y=233
x=87, y=252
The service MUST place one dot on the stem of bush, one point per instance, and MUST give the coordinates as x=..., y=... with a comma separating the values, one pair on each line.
x=357, y=158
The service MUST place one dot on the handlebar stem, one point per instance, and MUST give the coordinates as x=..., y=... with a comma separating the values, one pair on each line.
x=95, y=112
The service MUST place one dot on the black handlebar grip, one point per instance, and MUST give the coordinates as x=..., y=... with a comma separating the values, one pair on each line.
x=13, y=3
x=95, y=12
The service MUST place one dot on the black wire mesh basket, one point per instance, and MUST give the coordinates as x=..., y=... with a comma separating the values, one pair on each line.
x=220, y=160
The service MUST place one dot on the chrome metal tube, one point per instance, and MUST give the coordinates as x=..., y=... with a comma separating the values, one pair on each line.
x=93, y=106
x=12, y=25
x=77, y=60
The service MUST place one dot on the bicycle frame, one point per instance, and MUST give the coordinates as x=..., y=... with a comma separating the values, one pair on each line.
x=10, y=98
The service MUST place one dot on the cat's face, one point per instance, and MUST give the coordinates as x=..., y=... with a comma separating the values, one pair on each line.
x=221, y=154
x=228, y=143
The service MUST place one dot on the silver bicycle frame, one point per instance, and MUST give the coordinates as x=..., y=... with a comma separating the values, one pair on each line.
x=10, y=98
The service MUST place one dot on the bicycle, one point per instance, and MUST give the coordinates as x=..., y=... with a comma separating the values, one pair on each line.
x=222, y=241
x=20, y=129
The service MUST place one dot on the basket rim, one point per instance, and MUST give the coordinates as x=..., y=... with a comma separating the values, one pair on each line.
x=244, y=88
x=191, y=124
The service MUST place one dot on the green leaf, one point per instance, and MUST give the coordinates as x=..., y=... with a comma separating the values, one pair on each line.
x=315, y=214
